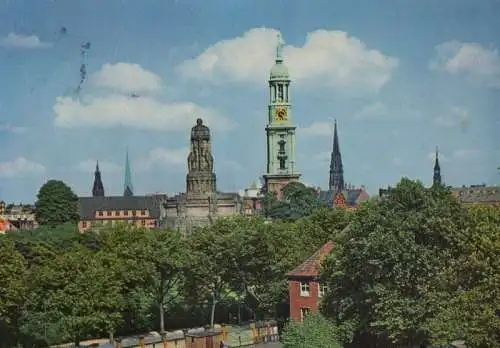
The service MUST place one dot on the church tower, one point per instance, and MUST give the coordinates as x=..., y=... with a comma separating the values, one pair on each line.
x=98, y=188
x=336, y=183
x=437, y=170
x=128, y=189
x=280, y=129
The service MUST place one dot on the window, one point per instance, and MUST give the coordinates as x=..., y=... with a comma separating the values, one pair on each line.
x=125, y=213
x=305, y=288
x=101, y=213
x=304, y=312
x=143, y=222
x=117, y=213
x=143, y=212
x=133, y=212
x=108, y=213
x=322, y=289
x=84, y=224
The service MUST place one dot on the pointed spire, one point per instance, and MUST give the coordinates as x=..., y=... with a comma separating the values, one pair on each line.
x=279, y=49
x=336, y=183
x=128, y=189
x=437, y=169
x=98, y=188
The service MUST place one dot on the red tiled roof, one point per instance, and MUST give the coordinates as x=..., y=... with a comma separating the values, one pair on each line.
x=309, y=268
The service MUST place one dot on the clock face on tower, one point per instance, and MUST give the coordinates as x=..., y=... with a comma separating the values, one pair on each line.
x=281, y=114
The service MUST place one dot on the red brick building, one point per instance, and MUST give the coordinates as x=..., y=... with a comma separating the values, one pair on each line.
x=304, y=288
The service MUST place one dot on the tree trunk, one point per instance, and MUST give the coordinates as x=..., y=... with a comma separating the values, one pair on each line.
x=212, y=314
x=162, y=318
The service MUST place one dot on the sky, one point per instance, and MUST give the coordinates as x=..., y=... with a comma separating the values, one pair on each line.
x=400, y=77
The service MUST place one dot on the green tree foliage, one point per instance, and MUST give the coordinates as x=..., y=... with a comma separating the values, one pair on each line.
x=298, y=201
x=315, y=331
x=473, y=284
x=56, y=204
x=383, y=273
x=74, y=297
x=12, y=289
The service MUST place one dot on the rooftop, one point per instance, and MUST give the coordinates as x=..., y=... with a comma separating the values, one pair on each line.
x=309, y=268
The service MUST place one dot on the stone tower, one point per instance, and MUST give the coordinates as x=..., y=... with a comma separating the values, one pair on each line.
x=98, y=188
x=336, y=182
x=280, y=130
x=200, y=179
x=437, y=170
x=128, y=189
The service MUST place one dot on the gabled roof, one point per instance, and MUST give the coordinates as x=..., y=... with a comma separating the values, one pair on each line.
x=352, y=197
x=310, y=267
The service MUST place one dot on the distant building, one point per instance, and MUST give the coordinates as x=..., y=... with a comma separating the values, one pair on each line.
x=100, y=210
x=251, y=199
x=480, y=194
x=16, y=216
x=305, y=290
x=339, y=194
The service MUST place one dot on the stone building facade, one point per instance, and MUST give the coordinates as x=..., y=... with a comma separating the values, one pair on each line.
x=201, y=204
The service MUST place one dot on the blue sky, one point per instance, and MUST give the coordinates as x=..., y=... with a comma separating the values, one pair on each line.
x=401, y=77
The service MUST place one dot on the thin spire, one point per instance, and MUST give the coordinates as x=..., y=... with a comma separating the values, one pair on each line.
x=98, y=188
x=128, y=189
x=279, y=49
x=437, y=169
x=336, y=182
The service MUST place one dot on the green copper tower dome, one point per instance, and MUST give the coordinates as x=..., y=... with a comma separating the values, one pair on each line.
x=279, y=71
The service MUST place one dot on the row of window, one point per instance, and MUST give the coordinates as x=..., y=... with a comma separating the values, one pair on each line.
x=125, y=213
x=85, y=224
x=305, y=289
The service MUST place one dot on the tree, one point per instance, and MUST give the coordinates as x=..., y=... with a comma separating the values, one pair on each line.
x=153, y=262
x=383, y=271
x=56, y=204
x=12, y=290
x=76, y=296
x=315, y=331
x=473, y=283
x=298, y=201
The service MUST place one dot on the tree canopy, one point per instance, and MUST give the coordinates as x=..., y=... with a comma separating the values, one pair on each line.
x=56, y=204
x=392, y=276
x=414, y=267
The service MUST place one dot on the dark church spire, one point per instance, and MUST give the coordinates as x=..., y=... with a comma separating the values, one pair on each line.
x=98, y=188
x=437, y=170
x=336, y=183
x=128, y=189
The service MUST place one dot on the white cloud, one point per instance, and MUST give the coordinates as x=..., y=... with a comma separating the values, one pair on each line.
x=465, y=154
x=329, y=58
x=470, y=59
x=8, y=128
x=317, y=129
x=88, y=166
x=143, y=113
x=456, y=116
x=23, y=41
x=20, y=166
x=139, y=111
x=164, y=157
x=371, y=111
x=127, y=78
